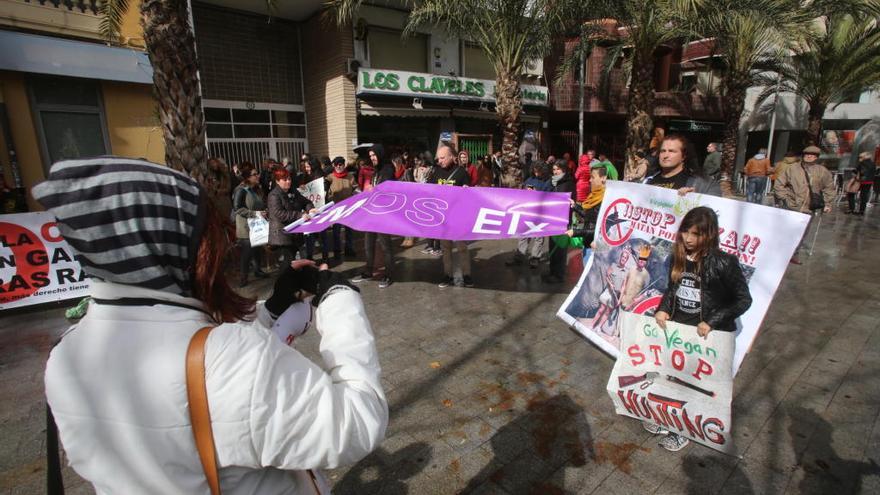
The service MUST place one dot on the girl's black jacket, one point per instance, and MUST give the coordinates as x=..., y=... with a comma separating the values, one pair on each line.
x=724, y=292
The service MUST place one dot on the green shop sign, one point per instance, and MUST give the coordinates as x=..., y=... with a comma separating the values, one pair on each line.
x=420, y=85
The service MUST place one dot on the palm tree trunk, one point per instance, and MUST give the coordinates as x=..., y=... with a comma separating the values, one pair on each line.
x=814, y=124
x=508, y=105
x=172, y=50
x=639, y=109
x=732, y=105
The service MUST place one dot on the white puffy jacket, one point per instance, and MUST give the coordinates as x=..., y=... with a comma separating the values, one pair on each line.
x=116, y=385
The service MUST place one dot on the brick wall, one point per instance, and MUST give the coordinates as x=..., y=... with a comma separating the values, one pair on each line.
x=244, y=56
x=329, y=96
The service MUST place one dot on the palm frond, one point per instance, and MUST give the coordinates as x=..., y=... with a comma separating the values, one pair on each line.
x=112, y=13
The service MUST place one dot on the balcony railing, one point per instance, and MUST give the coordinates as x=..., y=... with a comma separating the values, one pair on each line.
x=84, y=6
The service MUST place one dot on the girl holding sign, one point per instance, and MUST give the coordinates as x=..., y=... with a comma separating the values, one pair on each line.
x=707, y=289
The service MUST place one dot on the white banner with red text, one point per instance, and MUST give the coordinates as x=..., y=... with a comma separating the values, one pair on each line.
x=629, y=266
x=36, y=263
x=676, y=379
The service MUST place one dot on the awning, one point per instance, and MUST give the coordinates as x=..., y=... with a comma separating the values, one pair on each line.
x=368, y=110
x=490, y=115
x=62, y=57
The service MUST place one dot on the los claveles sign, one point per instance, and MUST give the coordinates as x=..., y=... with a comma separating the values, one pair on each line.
x=421, y=85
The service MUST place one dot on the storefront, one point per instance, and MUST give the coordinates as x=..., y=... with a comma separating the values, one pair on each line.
x=410, y=110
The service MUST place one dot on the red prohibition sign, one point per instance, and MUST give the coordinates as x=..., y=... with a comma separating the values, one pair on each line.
x=647, y=305
x=617, y=234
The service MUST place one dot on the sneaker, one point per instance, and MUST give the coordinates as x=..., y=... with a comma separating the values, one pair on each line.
x=468, y=281
x=654, y=429
x=446, y=282
x=385, y=282
x=437, y=253
x=427, y=250
x=674, y=442
x=361, y=277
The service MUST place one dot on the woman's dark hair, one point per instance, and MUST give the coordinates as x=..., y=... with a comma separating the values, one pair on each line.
x=280, y=174
x=209, y=280
x=706, y=222
x=245, y=169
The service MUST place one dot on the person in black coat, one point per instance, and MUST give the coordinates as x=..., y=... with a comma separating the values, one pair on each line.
x=707, y=289
x=286, y=205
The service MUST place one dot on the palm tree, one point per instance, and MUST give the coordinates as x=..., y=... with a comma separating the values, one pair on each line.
x=511, y=32
x=643, y=26
x=171, y=47
x=842, y=59
x=751, y=36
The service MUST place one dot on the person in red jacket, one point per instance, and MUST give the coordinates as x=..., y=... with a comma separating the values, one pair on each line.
x=582, y=178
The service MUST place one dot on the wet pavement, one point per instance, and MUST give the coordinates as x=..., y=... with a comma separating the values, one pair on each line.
x=490, y=393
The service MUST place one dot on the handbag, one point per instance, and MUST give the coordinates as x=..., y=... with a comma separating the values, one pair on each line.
x=817, y=201
x=258, y=231
x=200, y=415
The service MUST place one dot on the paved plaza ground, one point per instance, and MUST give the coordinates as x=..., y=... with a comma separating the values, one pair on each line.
x=490, y=393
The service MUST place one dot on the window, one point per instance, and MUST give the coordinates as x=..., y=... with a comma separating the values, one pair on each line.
x=389, y=51
x=240, y=123
x=69, y=118
x=476, y=64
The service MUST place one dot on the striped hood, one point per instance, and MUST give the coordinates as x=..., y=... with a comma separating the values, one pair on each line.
x=130, y=221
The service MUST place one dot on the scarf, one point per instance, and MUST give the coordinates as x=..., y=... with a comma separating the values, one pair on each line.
x=595, y=198
x=556, y=178
x=340, y=175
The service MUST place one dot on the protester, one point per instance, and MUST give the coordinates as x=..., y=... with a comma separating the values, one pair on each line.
x=341, y=185
x=408, y=175
x=706, y=289
x=674, y=175
x=808, y=188
x=421, y=169
x=866, y=173
x=532, y=249
x=638, y=172
x=365, y=174
x=221, y=183
x=559, y=182
x=448, y=173
x=482, y=173
x=569, y=163
x=497, y=167
x=399, y=165
x=248, y=203
x=712, y=163
x=286, y=205
x=266, y=170
x=852, y=188
x=588, y=210
x=383, y=172
x=117, y=386
x=326, y=166
x=582, y=178
x=757, y=170
x=605, y=162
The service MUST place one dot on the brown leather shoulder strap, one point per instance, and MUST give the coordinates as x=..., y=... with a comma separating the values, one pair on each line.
x=199, y=414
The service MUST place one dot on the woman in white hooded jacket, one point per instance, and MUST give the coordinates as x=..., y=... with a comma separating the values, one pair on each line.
x=153, y=247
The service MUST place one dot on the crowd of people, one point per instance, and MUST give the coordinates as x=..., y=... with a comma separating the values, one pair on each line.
x=272, y=192
x=276, y=415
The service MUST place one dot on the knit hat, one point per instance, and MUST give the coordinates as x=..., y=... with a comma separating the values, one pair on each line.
x=812, y=150
x=130, y=221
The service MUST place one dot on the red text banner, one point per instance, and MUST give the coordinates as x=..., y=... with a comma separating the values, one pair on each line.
x=36, y=263
x=676, y=379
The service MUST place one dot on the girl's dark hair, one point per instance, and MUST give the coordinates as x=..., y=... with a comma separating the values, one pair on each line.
x=706, y=222
x=209, y=281
x=245, y=169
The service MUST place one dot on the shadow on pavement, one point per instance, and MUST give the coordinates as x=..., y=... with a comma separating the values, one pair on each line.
x=557, y=434
x=386, y=472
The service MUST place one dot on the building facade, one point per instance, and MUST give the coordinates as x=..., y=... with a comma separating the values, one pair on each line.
x=66, y=94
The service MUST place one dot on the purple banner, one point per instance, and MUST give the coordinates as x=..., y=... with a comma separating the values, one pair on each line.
x=444, y=212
